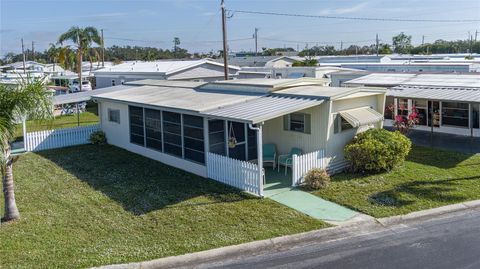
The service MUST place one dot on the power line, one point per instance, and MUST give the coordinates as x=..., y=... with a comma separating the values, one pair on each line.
x=350, y=18
x=319, y=42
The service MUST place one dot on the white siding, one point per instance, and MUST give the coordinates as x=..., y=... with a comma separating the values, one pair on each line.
x=337, y=141
x=119, y=135
x=273, y=132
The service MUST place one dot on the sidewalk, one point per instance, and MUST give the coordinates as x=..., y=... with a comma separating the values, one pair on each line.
x=279, y=189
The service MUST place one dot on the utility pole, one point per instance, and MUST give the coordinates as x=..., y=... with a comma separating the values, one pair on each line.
x=256, y=41
x=476, y=34
x=376, y=43
x=23, y=52
x=224, y=31
x=423, y=40
x=103, y=50
x=33, y=51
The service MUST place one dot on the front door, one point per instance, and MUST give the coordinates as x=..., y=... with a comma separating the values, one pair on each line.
x=434, y=113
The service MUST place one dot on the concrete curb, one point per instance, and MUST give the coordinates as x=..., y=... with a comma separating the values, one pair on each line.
x=342, y=231
x=429, y=213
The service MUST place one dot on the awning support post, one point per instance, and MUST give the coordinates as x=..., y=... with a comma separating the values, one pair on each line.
x=259, y=155
x=24, y=131
x=78, y=115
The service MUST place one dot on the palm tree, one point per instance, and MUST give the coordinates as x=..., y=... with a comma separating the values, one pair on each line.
x=83, y=39
x=53, y=54
x=29, y=99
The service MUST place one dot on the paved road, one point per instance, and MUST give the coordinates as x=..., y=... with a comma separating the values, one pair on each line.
x=448, y=242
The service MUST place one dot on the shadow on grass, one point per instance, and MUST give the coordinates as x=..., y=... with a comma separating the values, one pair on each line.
x=436, y=191
x=139, y=184
x=437, y=158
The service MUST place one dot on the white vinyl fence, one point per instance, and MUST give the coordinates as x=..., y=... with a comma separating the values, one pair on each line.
x=301, y=164
x=42, y=140
x=240, y=174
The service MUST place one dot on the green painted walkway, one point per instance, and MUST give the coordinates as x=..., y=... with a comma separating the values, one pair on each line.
x=278, y=188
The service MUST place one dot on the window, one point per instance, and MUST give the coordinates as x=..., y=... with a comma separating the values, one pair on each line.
x=455, y=114
x=297, y=122
x=344, y=124
x=113, y=82
x=341, y=124
x=216, y=136
x=475, y=116
x=153, y=129
x=193, y=138
x=172, y=131
x=122, y=81
x=389, y=104
x=137, y=135
x=114, y=115
x=402, y=107
x=421, y=107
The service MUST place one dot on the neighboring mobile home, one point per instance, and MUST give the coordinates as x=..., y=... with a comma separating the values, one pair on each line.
x=446, y=103
x=196, y=70
x=215, y=129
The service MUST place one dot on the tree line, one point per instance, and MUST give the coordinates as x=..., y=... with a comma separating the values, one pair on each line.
x=402, y=44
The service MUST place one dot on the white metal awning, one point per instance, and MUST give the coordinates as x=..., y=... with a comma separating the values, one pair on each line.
x=264, y=108
x=361, y=116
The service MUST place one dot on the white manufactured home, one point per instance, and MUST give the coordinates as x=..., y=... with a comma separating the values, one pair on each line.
x=194, y=70
x=222, y=130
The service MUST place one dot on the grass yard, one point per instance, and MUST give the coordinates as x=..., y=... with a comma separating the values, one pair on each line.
x=429, y=178
x=95, y=205
x=64, y=121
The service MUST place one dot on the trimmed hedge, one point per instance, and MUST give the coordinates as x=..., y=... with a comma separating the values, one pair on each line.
x=377, y=150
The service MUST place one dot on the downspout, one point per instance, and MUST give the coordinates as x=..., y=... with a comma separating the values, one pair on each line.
x=259, y=155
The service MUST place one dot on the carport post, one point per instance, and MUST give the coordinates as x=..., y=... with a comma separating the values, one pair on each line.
x=24, y=130
x=78, y=115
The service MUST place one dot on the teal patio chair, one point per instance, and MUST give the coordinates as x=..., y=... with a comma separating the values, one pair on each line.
x=270, y=154
x=286, y=159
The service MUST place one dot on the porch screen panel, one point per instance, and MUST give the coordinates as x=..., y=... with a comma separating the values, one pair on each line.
x=252, y=144
x=172, y=132
x=216, y=136
x=455, y=114
x=153, y=128
x=137, y=135
x=237, y=130
x=193, y=139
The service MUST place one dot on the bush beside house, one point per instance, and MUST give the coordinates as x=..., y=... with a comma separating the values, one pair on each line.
x=98, y=138
x=317, y=179
x=377, y=150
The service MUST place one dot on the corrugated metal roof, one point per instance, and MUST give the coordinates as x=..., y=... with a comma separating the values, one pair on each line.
x=163, y=67
x=264, y=108
x=189, y=99
x=361, y=116
x=166, y=83
x=461, y=94
x=440, y=80
x=85, y=96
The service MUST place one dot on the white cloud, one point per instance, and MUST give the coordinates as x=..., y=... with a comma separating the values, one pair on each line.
x=343, y=11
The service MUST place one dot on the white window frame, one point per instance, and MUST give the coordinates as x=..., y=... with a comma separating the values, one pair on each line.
x=109, y=114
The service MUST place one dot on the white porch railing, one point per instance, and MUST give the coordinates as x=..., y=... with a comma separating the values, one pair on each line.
x=240, y=174
x=301, y=164
x=42, y=140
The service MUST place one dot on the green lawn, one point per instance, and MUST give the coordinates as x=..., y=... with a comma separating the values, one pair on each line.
x=86, y=118
x=429, y=178
x=95, y=205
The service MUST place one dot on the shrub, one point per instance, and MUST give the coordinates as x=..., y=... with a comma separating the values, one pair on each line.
x=98, y=138
x=377, y=150
x=317, y=179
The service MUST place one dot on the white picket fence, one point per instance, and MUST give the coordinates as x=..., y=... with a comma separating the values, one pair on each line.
x=301, y=164
x=240, y=174
x=51, y=139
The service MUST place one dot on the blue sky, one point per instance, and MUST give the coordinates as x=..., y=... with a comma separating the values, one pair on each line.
x=197, y=23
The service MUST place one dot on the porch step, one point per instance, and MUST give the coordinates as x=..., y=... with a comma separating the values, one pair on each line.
x=312, y=205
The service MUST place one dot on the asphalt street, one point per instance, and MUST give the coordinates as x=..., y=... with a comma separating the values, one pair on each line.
x=451, y=241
